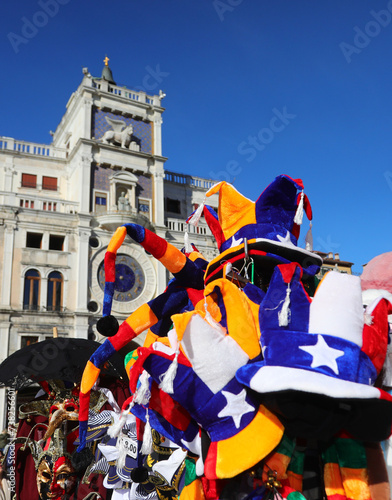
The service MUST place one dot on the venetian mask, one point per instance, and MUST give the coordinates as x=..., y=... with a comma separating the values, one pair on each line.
x=62, y=409
x=56, y=477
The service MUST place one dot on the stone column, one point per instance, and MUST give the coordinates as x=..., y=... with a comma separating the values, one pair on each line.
x=6, y=278
x=81, y=326
x=5, y=326
x=158, y=176
x=158, y=136
x=8, y=186
x=43, y=296
x=85, y=181
x=81, y=276
x=87, y=106
x=81, y=279
x=45, y=241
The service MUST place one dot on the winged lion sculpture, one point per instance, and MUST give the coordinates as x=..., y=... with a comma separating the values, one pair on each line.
x=121, y=133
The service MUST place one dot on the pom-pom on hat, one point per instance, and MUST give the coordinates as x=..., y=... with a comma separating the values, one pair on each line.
x=325, y=347
x=270, y=225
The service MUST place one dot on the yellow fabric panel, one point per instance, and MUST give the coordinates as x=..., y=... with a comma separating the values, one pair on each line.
x=89, y=377
x=142, y=319
x=255, y=309
x=117, y=239
x=195, y=255
x=213, y=307
x=150, y=339
x=333, y=480
x=193, y=491
x=215, y=188
x=234, y=211
x=181, y=321
x=173, y=259
x=165, y=341
x=238, y=314
x=242, y=451
x=355, y=483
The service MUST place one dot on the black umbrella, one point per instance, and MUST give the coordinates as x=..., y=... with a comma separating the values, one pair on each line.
x=54, y=359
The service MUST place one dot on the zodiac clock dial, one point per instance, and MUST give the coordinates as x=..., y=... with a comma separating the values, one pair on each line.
x=130, y=278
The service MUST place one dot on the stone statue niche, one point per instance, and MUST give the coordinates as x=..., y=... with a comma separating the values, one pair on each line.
x=123, y=204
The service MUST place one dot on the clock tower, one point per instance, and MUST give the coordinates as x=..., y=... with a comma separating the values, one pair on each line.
x=113, y=139
x=61, y=202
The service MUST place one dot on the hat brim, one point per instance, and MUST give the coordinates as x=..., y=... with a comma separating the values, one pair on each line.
x=313, y=416
x=370, y=407
x=267, y=254
x=281, y=378
x=229, y=457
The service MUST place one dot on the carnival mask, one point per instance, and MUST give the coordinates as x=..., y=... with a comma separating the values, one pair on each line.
x=62, y=409
x=56, y=478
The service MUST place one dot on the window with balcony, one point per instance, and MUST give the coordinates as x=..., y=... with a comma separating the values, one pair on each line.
x=55, y=291
x=28, y=340
x=56, y=242
x=34, y=240
x=49, y=183
x=100, y=202
x=29, y=180
x=32, y=288
x=173, y=206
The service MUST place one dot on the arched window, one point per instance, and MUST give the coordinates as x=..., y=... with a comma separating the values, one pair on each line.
x=32, y=287
x=55, y=291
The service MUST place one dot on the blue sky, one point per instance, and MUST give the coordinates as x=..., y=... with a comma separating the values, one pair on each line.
x=254, y=89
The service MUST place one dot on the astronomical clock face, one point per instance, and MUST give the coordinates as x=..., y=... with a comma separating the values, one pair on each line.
x=130, y=278
x=135, y=279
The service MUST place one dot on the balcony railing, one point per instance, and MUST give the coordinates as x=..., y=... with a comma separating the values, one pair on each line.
x=181, y=226
x=189, y=180
x=40, y=309
x=134, y=95
x=31, y=148
x=48, y=204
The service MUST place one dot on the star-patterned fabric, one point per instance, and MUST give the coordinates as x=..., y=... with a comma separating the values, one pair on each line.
x=296, y=356
x=323, y=355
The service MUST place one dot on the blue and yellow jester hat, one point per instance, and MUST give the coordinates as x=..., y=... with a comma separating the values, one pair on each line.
x=270, y=227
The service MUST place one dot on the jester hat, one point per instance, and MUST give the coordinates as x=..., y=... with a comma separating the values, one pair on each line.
x=159, y=409
x=187, y=269
x=266, y=230
x=184, y=289
x=324, y=353
x=205, y=385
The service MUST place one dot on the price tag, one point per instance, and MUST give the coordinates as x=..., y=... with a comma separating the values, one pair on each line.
x=130, y=446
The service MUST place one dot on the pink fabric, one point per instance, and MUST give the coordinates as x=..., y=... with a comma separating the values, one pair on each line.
x=378, y=273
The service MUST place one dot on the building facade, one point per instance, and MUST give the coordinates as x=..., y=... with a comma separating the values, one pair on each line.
x=60, y=204
x=331, y=261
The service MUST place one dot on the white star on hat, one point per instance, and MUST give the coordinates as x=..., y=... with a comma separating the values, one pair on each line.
x=286, y=240
x=235, y=242
x=236, y=407
x=194, y=446
x=323, y=355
